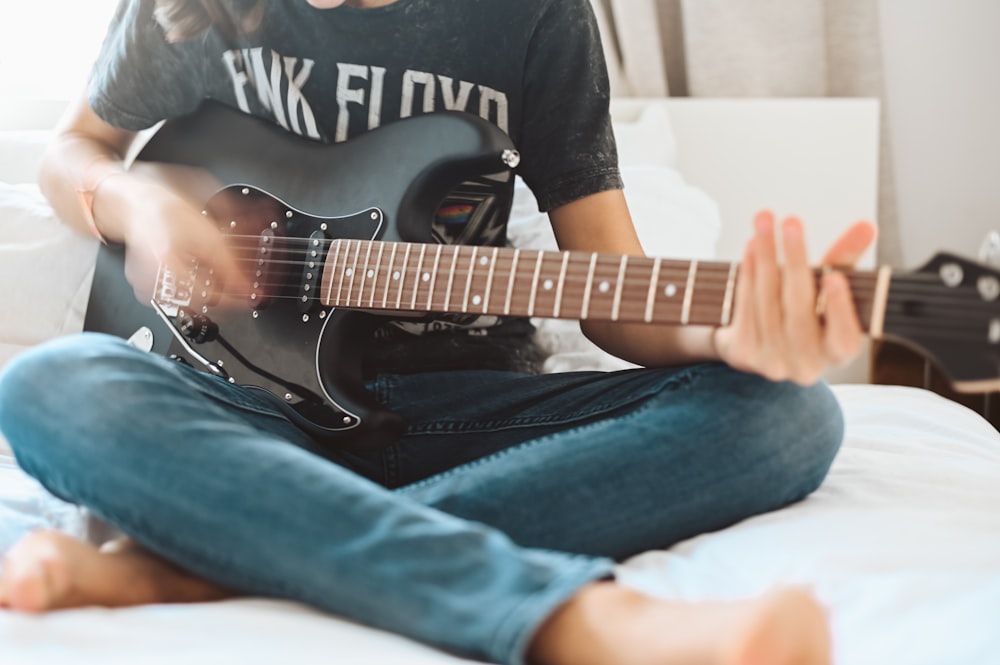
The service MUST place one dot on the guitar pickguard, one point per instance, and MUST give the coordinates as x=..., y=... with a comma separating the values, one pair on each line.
x=280, y=338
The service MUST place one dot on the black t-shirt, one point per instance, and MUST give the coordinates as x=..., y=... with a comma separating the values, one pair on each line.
x=534, y=68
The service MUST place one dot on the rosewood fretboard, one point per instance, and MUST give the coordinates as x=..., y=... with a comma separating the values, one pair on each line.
x=362, y=274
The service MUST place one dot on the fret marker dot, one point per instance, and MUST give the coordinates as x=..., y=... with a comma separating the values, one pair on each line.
x=670, y=291
x=396, y=275
x=547, y=285
x=426, y=277
x=371, y=273
x=484, y=261
x=476, y=300
x=349, y=272
x=604, y=287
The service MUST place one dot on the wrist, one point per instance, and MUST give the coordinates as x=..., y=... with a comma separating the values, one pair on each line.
x=713, y=342
x=95, y=174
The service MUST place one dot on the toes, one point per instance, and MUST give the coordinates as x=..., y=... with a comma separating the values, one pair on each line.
x=789, y=628
x=35, y=572
x=24, y=585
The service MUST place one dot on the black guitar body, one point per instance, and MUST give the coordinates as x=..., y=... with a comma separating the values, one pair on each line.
x=280, y=200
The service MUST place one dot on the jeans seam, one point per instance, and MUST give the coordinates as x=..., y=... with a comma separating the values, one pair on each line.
x=674, y=382
x=505, y=423
x=526, y=445
x=390, y=465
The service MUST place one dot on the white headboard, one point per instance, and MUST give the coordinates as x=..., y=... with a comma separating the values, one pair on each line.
x=632, y=46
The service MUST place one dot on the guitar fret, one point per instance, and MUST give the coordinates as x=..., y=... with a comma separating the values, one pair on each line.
x=451, y=278
x=651, y=295
x=417, y=276
x=489, y=280
x=364, y=273
x=534, y=284
x=510, y=282
x=689, y=293
x=562, y=282
x=388, y=277
x=434, y=272
x=402, y=276
x=329, y=284
x=352, y=273
x=727, y=302
x=589, y=286
x=375, y=273
x=468, y=281
x=616, y=307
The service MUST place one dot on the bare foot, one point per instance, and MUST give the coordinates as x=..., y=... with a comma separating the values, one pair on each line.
x=611, y=625
x=47, y=570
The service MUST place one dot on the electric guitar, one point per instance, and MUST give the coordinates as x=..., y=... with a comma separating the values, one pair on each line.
x=333, y=233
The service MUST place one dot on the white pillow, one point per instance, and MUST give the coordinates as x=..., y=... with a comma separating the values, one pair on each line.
x=646, y=140
x=45, y=271
x=672, y=218
x=21, y=154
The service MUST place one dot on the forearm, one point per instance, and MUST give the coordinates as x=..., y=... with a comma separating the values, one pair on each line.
x=74, y=164
x=601, y=223
x=653, y=345
x=85, y=157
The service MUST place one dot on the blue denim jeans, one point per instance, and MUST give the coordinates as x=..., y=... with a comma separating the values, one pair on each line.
x=506, y=494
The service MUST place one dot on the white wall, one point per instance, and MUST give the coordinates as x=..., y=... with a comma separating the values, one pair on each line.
x=46, y=51
x=942, y=72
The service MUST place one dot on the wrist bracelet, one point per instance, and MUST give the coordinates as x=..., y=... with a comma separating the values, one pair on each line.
x=86, y=196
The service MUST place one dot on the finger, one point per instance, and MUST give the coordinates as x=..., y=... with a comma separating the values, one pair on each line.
x=843, y=335
x=142, y=276
x=850, y=245
x=802, y=328
x=767, y=291
x=210, y=248
x=228, y=267
x=741, y=334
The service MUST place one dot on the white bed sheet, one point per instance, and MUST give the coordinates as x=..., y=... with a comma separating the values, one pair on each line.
x=902, y=543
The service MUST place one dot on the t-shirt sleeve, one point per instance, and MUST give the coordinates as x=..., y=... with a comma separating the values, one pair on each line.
x=567, y=142
x=139, y=78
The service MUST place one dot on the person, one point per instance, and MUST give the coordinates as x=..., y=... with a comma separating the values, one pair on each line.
x=491, y=528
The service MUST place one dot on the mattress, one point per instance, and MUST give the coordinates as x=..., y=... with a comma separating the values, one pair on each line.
x=901, y=543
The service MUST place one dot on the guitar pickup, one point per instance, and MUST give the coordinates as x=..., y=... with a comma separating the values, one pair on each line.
x=264, y=272
x=308, y=296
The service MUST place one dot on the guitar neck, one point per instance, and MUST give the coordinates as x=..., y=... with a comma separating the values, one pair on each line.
x=463, y=279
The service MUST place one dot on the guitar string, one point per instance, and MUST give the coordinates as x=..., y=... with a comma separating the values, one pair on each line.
x=946, y=321
x=705, y=284
x=372, y=295
x=610, y=262
x=711, y=298
x=607, y=262
x=708, y=277
x=954, y=327
x=556, y=256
